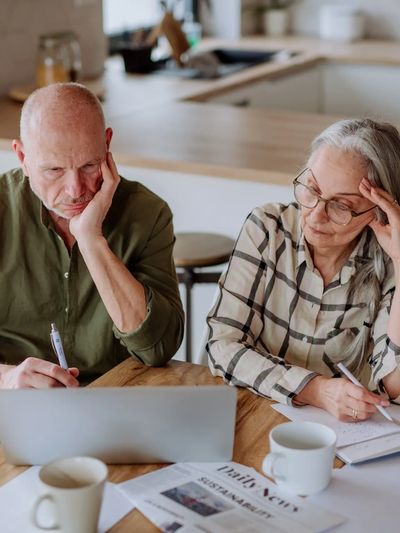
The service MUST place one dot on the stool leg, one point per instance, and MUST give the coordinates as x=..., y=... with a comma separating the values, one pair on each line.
x=187, y=278
x=189, y=323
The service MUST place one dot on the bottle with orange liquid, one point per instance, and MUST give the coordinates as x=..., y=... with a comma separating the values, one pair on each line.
x=58, y=58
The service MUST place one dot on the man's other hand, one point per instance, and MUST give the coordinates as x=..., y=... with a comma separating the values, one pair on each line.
x=37, y=374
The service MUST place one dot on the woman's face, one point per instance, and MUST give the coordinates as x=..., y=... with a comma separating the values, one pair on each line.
x=336, y=175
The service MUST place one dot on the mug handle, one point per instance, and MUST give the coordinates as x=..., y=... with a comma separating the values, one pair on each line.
x=35, y=509
x=268, y=465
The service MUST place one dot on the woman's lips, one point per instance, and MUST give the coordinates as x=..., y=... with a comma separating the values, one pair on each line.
x=316, y=231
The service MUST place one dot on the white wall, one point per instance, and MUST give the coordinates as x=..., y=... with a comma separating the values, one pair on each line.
x=120, y=15
x=382, y=16
x=22, y=21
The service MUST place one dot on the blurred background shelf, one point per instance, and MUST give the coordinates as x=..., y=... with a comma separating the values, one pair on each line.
x=20, y=93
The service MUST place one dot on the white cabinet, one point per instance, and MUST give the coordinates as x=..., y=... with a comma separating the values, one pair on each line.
x=329, y=88
x=361, y=90
x=295, y=92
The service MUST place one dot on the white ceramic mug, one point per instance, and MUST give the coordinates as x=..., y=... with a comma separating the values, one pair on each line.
x=74, y=489
x=301, y=457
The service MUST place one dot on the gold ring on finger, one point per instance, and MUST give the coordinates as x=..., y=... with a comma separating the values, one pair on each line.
x=395, y=202
x=354, y=414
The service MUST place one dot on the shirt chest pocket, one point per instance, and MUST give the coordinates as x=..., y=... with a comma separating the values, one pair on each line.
x=337, y=343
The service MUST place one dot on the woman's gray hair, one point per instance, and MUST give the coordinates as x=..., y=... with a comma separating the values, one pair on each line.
x=378, y=144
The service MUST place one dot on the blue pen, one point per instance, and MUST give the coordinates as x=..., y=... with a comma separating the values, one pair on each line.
x=57, y=346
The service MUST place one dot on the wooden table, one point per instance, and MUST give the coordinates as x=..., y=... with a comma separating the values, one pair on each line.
x=254, y=420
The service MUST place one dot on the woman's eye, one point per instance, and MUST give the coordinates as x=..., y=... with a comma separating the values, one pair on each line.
x=344, y=207
x=312, y=187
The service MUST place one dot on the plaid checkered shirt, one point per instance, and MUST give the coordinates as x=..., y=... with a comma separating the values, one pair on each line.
x=275, y=326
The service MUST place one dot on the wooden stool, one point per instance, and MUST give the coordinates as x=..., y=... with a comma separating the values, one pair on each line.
x=195, y=250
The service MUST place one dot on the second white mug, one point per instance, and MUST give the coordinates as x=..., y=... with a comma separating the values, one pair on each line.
x=301, y=457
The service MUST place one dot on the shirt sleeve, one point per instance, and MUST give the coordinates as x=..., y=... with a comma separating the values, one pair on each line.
x=236, y=322
x=386, y=354
x=159, y=336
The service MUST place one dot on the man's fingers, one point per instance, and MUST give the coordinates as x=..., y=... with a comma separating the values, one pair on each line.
x=74, y=371
x=110, y=174
x=47, y=370
x=112, y=165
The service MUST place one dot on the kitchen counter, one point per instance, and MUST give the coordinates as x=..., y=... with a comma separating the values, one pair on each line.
x=160, y=122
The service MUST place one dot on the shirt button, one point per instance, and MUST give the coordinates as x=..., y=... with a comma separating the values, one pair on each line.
x=66, y=275
x=66, y=309
x=304, y=339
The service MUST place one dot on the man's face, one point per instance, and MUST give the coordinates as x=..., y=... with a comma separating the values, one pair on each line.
x=63, y=164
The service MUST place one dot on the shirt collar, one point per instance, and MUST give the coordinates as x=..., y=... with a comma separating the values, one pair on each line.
x=358, y=255
x=303, y=252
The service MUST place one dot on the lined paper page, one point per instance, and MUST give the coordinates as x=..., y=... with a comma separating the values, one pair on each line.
x=347, y=433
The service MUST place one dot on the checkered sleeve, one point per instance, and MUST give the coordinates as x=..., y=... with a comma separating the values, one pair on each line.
x=237, y=320
x=386, y=354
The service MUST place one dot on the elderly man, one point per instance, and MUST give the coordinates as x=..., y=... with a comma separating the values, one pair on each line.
x=82, y=248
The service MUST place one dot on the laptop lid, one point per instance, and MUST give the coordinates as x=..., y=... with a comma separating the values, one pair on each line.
x=118, y=424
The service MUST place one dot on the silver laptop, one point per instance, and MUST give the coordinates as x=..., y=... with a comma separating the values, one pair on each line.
x=118, y=424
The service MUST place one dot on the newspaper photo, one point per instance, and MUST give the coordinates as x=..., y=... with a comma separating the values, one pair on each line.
x=221, y=497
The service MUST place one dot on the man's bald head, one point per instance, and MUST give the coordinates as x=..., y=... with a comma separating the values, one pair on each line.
x=63, y=145
x=57, y=105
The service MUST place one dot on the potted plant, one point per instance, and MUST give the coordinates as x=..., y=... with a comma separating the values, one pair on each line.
x=275, y=17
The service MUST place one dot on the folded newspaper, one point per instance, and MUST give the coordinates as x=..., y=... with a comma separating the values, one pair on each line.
x=221, y=497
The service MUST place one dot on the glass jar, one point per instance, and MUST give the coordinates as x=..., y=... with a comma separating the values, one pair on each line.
x=59, y=58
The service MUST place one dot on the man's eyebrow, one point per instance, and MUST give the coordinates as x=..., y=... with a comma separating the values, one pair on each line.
x=359, y=195
x=47, y=166
x=94, y=160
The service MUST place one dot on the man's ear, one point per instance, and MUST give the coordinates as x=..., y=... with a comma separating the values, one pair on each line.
x=109, y=134
x=19, y=150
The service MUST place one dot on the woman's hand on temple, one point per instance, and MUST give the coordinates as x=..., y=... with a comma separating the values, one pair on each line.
x=387, y=235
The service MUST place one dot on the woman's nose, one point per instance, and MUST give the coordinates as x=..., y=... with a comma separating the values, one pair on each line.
x=319, y=211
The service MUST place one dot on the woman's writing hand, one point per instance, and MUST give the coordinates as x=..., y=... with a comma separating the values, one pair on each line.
x=344, y=400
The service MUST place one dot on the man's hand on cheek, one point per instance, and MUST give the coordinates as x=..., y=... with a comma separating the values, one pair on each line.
x=88, y=224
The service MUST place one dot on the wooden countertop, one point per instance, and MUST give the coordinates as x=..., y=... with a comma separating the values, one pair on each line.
x=254, y=420
x=158, y=122
x=215, y=140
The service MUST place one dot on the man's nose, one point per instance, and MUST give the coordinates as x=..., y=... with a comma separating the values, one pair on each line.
x=74, y=185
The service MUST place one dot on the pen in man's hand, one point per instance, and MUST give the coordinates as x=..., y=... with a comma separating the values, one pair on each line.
x=57, y=346
x=354, y=380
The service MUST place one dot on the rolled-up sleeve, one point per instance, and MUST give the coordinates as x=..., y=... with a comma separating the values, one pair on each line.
x=386, y=354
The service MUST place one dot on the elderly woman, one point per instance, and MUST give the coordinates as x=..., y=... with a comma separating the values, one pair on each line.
x=313, y=283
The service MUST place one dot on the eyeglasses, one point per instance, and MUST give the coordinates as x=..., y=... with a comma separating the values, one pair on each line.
x=336, y=211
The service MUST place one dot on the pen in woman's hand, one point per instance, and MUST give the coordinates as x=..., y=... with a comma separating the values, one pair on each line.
x=57, y=346
x=354, y=380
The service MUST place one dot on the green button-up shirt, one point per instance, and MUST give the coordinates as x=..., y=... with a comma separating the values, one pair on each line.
x=41, y=282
